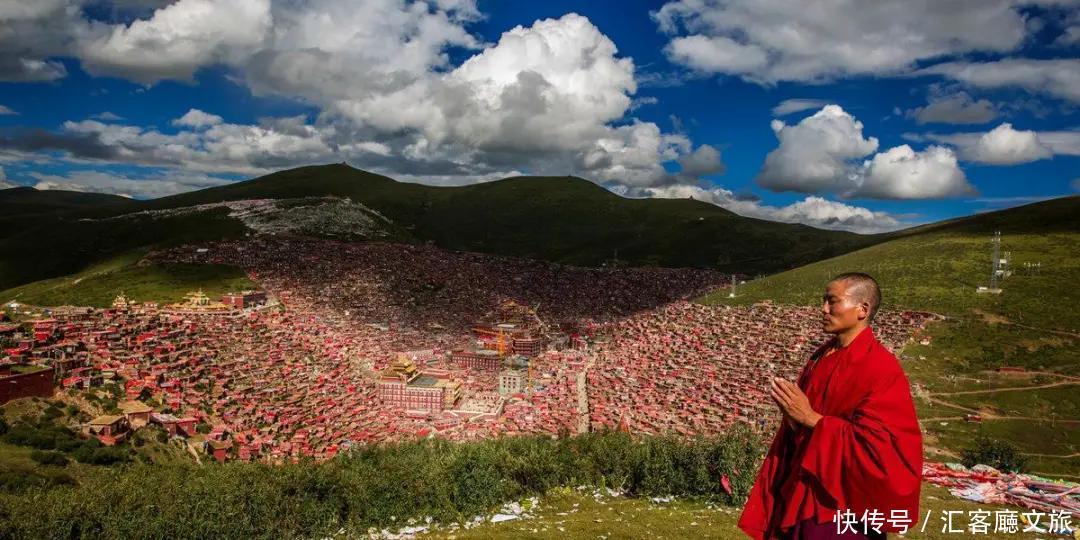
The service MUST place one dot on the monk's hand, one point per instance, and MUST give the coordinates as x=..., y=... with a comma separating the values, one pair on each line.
x=793, y=402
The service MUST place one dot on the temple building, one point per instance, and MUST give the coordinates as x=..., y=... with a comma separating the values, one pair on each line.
x=198, y=302
x=403, y=385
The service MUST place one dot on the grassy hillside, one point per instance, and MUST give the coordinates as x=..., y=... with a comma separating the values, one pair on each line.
x=98, y=285
x=1033, y=324
x=567, y=220
x=63, y=243
x=938, y=267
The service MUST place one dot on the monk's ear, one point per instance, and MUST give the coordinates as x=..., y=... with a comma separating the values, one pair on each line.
x=865, y=310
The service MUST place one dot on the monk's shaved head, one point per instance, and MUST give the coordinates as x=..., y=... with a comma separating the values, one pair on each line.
x=861, y=288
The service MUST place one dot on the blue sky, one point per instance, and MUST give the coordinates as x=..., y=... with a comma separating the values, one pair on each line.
x=838, y=114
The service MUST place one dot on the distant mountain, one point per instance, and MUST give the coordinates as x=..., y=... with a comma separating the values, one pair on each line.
x=562, y=219
x=22, y=201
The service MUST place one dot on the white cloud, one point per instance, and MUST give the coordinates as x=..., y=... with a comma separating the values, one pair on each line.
x=1059, y=78
x=820, y=153
x=5, y=111
x=197, y=119
x=813, y=211
x=815, y=154
x=1005, y=145
x=716, y=54
x=902, y=173
x=553, y=97
x=91, y=181
x=954, y=108
x=703, y=161
x=1075, y=184
x=789, y=106
x=179, y=39
x=787, y=40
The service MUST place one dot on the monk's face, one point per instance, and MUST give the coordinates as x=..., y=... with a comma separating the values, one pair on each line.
x=840, y=312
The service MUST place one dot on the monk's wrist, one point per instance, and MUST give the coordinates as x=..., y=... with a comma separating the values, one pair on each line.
x=813, y=420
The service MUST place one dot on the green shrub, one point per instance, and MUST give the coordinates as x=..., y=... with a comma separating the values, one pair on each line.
x=382, y=486
x=1001, y=455
x=49, y=457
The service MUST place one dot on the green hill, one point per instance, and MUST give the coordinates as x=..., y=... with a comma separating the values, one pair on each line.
x=1033, y=324
x=937, y=268
x=562, y=219
x=565, y=219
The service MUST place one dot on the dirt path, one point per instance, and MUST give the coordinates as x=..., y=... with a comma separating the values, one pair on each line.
x=583, y=396
x=1007, y=389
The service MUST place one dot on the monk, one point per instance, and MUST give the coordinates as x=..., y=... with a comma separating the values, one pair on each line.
x=850, y=443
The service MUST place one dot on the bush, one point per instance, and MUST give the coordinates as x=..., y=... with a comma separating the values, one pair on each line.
x=372, y=486
x=48, y=437
x=48, y=457
x=51, y=412
x=20, y=481
x=99, y=454
x=998, y=454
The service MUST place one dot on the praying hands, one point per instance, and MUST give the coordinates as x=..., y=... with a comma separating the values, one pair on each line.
x=793, y=403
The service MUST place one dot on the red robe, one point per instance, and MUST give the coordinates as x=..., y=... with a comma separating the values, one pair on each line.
x=864, y=454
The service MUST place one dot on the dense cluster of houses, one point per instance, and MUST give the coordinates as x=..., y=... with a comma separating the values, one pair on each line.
x=691, y=369
x=368, y=343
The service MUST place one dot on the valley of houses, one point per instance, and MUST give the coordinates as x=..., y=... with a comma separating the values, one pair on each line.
x=303, y=369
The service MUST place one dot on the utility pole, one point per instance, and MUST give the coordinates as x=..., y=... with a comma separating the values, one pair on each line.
x=995, y=268
x=996, y=242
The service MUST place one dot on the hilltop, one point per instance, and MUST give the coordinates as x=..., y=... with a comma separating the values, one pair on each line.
x=566, y=220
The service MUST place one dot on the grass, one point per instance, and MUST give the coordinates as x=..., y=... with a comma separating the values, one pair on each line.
x=157, y=282
x=569, y=514
x=937, y=268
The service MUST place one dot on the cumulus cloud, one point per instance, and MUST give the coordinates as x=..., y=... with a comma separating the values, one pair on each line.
x=954, y=108
x=769, y=41
x=1058, y=77
x=1005, y=145
x=703, y=161
x=815, y=154
x=198, y=119
x=789, y=106
x=820, y=155
x=813, y=211
x=160, y=185
x=902, y=173
x=178, y=39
